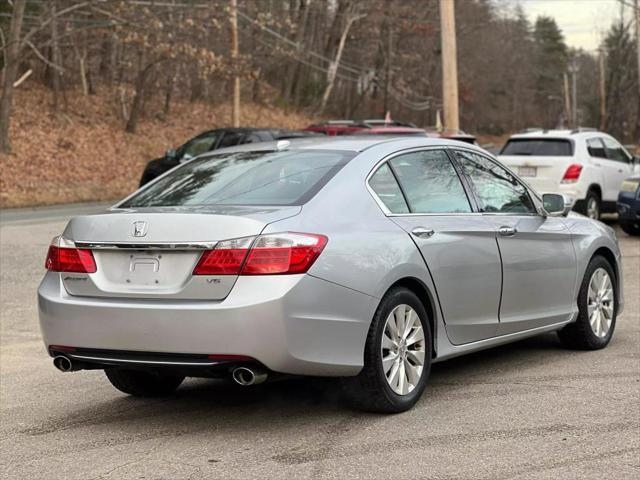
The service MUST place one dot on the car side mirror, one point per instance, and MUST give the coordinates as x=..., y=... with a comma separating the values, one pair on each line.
x=170, y=154
x=555, y=205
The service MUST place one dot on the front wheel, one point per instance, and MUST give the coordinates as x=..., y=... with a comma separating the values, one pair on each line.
x=630, y=228
x=397, y=357
x=143, y=384
x=597, y=309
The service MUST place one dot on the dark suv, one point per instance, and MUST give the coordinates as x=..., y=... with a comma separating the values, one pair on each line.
x=212, y=140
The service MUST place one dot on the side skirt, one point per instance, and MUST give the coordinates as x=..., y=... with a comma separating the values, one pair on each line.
x=446, y=350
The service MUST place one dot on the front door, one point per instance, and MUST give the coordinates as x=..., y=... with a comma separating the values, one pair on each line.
x=538, y=259
x=457, y=244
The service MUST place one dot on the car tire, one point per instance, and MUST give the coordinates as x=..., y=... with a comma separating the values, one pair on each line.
x=630, y=228
x=143, y=384
x=592, y=207
x=583, y=334
x=370, y=390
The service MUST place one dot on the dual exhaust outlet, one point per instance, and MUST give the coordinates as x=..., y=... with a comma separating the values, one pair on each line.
x=244, y=376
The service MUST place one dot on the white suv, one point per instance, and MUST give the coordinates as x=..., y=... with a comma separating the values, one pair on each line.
x=585, y=165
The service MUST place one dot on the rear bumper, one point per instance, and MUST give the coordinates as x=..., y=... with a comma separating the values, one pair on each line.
x=295, y=324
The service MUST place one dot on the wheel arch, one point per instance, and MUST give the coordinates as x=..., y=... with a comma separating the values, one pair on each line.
x=429, y=302
x=610, y=257
x=595, y=187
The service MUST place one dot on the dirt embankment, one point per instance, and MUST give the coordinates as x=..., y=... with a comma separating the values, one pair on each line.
x=83, y=153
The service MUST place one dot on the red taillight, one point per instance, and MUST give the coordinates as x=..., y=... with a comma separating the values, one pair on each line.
x=281, y=253
x=226, y=259
x=572, y=174
x=61, y=259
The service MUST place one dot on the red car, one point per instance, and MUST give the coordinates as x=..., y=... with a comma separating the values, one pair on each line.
x=371, y=126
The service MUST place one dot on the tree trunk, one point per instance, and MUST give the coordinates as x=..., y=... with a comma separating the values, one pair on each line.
x=138, y=96
x=12, y=54
x=333, y=68
x=56, y=57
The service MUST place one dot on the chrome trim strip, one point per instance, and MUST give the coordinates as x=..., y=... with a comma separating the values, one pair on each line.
x=142, y=362
x=146, y=246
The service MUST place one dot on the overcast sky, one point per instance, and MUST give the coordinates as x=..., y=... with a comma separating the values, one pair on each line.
x=583, y=22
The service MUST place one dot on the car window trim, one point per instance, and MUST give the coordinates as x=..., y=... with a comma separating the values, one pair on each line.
x=390, y=157
x=536, y=205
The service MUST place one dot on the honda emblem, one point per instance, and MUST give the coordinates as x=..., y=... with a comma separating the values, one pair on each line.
x=139, y=228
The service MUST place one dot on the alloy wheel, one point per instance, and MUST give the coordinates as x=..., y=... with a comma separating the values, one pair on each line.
x=600, y=302
x=403, y=349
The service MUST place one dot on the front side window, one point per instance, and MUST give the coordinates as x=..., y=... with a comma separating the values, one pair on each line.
x=244, y=178
x=200, y=145
x=615, y=151
x=498, y=190
x=430, y=182
x=596, y=148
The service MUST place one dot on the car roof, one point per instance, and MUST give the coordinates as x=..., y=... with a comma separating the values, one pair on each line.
x=559, y=134
x=353, y=143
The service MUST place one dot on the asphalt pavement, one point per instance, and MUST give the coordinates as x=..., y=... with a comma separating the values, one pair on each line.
x=526, y=410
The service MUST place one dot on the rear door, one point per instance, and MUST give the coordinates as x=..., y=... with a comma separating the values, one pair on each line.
x=538, y=259
x=424, y=195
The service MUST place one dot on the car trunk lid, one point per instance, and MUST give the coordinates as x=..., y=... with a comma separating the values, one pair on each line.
x=151, y=253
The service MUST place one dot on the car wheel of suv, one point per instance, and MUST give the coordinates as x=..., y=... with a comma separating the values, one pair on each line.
x=597, y=309
x=142, y=384
x=592, y=205
x=397, y=357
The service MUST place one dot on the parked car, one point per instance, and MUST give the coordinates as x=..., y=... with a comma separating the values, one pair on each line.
x=629, y=205
x=212, y=140
x=355, y=257
x=391, y=130
x=585, y=165
x=348, y=127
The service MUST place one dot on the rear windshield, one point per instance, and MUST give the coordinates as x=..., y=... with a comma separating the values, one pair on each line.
x=539, y=147
x=244, y=178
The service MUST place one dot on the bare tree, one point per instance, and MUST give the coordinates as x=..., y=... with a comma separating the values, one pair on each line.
x=12, y=60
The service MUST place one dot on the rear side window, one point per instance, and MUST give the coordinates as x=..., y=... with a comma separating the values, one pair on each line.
x=244, y=178
x=538, y=147
x=596, y=148
x=430, y=182
x=388, y=191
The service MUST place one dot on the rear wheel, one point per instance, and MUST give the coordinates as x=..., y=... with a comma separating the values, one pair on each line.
x=592, y=205
x=597, y=309
x=397, y=357
x=142, y=384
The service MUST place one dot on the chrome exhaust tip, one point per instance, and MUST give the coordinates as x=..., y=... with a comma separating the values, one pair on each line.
x=246, y=376
x=62, y=363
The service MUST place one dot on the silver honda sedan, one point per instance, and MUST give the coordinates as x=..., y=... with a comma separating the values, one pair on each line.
x=362, y=258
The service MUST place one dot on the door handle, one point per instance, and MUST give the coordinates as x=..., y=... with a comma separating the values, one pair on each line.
x=422, y=232
x=507, y=231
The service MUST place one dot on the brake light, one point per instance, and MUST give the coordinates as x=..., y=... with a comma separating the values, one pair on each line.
x=281, y=253
x=64, y=259
x=225, y=259
x=572, y=174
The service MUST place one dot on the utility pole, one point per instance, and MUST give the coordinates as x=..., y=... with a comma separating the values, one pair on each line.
x=602, y=90
x=567, y=100
x=387, y=77
x=235, y=111
x=449, y=66
x=637, y=16
x=573, y=69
